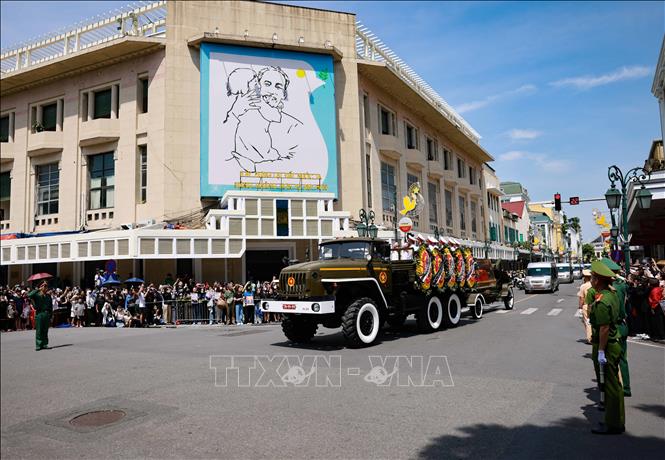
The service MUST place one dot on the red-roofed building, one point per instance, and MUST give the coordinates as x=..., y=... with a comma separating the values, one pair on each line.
x=515, y=221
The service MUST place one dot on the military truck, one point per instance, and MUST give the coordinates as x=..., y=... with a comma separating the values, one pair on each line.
x=355, y=285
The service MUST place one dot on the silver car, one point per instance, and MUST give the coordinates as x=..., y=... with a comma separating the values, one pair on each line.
x=564, y=272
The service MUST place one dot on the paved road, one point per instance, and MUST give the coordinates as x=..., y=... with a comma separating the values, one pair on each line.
x=514, y=384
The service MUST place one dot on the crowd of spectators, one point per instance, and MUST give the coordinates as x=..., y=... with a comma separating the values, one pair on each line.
x=179, y=301
x=646, y=300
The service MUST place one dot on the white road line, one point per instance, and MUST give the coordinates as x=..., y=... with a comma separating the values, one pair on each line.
x=502, y=311
x=639, y=342
x=560, y=300
x=555, y=311
x=528, y=311
x=526, y=298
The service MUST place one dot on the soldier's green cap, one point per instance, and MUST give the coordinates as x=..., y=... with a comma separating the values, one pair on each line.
x=600, y=269
x=610, y=264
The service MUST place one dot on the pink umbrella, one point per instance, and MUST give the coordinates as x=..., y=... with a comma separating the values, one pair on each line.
x=40, y=276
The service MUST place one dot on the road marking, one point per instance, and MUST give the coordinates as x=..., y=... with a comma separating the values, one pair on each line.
x=555, y=311
x=560, y=300
x=526, y=298
x=502, y=311
x=639, y=342
x=528, y=311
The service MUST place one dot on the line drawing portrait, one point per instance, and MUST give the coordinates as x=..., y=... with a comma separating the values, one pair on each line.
x=267, y=111
x=259, y=102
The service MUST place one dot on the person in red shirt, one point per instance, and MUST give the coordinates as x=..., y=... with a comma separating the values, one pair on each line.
x=656, y=316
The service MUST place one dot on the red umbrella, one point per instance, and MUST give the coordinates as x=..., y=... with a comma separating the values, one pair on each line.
x=40, y=276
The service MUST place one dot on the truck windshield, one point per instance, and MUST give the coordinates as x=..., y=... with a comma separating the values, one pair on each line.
x=345, y=250
x=538, y=271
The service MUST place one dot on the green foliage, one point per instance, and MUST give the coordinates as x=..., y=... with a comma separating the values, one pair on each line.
x=588, y=253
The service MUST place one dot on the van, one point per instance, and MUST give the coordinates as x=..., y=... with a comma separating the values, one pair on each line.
x=564, y=272
x=541, y=276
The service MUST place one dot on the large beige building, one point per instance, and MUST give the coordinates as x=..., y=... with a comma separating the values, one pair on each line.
x=217, y=138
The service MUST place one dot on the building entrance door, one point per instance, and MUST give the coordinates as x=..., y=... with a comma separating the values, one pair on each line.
x=263, y=265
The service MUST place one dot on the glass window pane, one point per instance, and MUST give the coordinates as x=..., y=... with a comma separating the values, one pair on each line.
x=4, y=129
x=102, y=104
x=5, y=186
x=49, y=116
x=95, y=197
x=110, y=202
x=95, y=182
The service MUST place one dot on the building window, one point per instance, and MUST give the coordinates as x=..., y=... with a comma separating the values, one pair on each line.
x=410, y=180
x=449, y=209
x=142, y=96
x=366, y=113
x=388, y=188
x=387, y=121
x=433, y=197
x=462, y=213
x=48, y=182
x=102, y=180
x=143, y=173
x=472, y=176
x=49, y=116
x=411, y=136
x=4, y=128
x=368, y=173
x=102, y=102
x=447, y=161
x=432, y=150
x=5, y=195
x=493, y=232
x=46, y=117
x=461, y=171
x=474, y=224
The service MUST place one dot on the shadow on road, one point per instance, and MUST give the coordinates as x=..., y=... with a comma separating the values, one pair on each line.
x=656, y=409
x=568, y=437
x=61, y=346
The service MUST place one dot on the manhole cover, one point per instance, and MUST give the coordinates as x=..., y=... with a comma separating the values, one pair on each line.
x=97, y=418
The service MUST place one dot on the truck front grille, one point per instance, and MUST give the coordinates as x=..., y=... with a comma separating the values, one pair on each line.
x=298, y=288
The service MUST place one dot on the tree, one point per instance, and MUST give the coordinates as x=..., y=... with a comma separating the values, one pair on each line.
x=574, y=224
x=588, y=253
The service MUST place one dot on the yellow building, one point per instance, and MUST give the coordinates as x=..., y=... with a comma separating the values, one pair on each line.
x=555, y=234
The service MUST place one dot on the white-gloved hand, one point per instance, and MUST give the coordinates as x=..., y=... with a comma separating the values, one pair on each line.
x=601, y=357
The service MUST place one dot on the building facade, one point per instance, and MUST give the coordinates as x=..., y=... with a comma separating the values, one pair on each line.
x=217, y=139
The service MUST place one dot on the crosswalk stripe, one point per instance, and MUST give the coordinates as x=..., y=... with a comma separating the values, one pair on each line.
x=528, y=311
x=554, y=311
x=502, y=311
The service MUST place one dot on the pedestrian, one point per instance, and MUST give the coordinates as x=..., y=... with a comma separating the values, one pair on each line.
x=656, y=320
x=230, y=306
x=238, y=301
x=604, y=318
x=584, y=307
x=621, y=289
x=41, y=298
x=248, y=304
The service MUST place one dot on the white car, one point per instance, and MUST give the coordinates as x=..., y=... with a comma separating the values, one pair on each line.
x=565, y=272
x=541, y=276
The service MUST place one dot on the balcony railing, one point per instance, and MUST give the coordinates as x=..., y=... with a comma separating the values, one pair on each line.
x=146, y=20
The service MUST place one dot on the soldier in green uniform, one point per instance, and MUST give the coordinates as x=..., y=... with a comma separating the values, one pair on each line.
x=43, y=303
x=622, y=290
x=604, y=318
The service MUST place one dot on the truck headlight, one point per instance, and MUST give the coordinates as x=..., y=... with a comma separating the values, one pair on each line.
x=316, y=307
x=265, y=305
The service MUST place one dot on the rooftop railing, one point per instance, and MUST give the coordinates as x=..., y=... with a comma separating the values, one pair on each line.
x=138, y=19
x=370, y=47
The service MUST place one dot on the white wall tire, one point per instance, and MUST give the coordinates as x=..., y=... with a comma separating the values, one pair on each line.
x=478, y=308
x=361, y=323
x=430, y=317
x=509, y=300
x=453, y=311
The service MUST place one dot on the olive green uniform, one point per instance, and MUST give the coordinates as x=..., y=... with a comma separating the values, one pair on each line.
x=605, y=312
x=622, y=290
x=43, y=306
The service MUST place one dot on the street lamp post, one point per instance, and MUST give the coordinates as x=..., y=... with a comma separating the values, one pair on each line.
x=618, y=198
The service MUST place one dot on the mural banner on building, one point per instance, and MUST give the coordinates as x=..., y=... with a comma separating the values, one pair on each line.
x=266, y=112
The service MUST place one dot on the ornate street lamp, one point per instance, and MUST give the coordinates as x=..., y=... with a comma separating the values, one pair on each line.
x=614, y=197
x=366, y=226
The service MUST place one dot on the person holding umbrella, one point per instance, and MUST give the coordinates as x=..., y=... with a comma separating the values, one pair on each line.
x=41, y=299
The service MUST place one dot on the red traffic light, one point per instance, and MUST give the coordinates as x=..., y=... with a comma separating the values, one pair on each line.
x=574, y=200
x=557, y=201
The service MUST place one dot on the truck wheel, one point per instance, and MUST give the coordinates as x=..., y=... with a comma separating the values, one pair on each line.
x=477, y=308
x=360, y=323
x=396, y=321
x=430, y=317
x=509, y=300
x=298, y=329
x=453, y=310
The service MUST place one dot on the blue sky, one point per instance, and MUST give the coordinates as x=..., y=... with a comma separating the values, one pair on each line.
x=558, y=91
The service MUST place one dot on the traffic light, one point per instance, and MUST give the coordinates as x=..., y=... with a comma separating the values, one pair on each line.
x=557, y=201
x=574, y=200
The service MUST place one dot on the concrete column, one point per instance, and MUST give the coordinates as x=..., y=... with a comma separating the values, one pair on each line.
x=59, y=115
x=456, y=212
x=198, y=269
x=114, y=101
x=91, y=105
